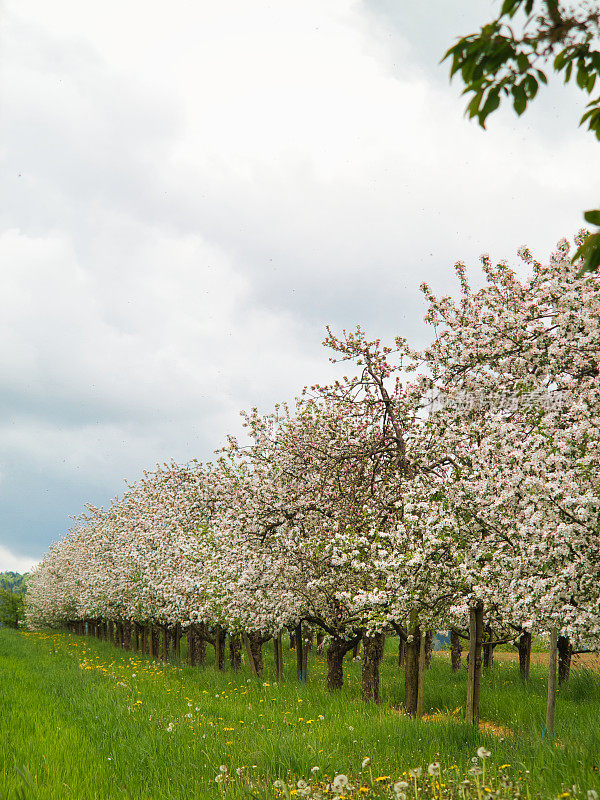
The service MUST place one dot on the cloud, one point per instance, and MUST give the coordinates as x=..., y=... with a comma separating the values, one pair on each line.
x=191, y=196
x=12, y=563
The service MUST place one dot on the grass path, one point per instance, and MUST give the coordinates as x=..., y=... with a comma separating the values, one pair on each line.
x=89, y=721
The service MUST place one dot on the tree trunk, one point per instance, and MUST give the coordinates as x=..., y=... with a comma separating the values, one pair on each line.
x=249, y=653
x=401, y=651
x=307, y=638
x=145, y=640
x=474, y=679
x=335, y=665
x=299, y=648
x=136, y=637
x=292, y=640
x=355, y=650
x=488, y=649
x=455, y=650
x=411, y=670
x=428, y=648
x=177, y=641
x=111, y=632
x=165, y=643
x=190, y=655
x=235, y=651
x=551, y=682
x=256, y=642
x=280, y=657
x=220, y=635
x=201, y=634
x=565, y=652
x=524, y=654
x=277, y=657
x=127, y=635
x=320, y=640
x=154, y=641
x=372, y=653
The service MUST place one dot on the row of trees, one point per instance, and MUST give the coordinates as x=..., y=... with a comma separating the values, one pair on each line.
x=455, y=487
x=12, y=592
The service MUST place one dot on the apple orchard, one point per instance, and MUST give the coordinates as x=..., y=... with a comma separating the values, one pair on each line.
x=455, y=488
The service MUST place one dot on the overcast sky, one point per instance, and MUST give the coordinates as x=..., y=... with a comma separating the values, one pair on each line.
x=193, y=190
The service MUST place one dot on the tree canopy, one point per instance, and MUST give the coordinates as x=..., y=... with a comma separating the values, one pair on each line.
x=508, y=58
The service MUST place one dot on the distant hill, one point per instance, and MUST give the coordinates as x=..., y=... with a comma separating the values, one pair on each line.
x=13, y=581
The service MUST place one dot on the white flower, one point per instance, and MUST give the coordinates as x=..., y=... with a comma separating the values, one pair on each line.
x=366, y=762
x=475, y=771
x=350, y=727
x=399, y=788
x=314, y=770
x=218, y=778
x=340, y=782
x=415, y=772
x=238, y=771
x=483, y=753
x=592, y=794
x=223, y=768
x=281, y=785
x=169, y=727
x=434, y=768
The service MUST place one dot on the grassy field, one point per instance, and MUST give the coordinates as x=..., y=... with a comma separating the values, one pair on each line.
x=81, y=719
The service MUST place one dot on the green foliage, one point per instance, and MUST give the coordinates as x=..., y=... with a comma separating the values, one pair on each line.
x=504, y=60
x=12, y=590
x=109, y=724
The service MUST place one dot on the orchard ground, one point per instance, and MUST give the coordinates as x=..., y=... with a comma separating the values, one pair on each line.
x=82, y=719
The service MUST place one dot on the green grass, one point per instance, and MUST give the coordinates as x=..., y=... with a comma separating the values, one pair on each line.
x=86, y=720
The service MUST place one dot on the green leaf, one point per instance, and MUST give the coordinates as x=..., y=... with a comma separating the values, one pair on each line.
x=522, y=62
x=519, y=99
x=582, y=76
x=491, y=104
x=510, y=7
x=590, y=83
x=531, y=86
x=589, y=254
x=560, y=59
x=473, y=107
x=592, y=216
x=568, y=71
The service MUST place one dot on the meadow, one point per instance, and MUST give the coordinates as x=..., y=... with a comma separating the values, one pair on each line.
x=82, y=719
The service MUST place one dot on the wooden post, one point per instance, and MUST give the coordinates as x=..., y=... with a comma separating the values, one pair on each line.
x=421, y=673
x=474, y=676
x=551, y=681
x=411, y=670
